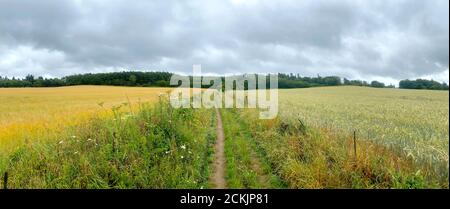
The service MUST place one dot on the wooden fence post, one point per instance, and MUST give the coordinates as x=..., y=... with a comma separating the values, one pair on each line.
x=354, y=145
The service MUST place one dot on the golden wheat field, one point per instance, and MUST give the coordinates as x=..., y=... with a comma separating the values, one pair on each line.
x=26, y=113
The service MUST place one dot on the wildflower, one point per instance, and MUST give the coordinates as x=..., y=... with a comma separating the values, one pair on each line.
x=182, y=157
x=167, y=152
x=61, y=142
x=89, y=140
x=75, y=152
x=183, y=146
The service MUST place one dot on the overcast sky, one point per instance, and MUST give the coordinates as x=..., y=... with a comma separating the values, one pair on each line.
x=385, y=40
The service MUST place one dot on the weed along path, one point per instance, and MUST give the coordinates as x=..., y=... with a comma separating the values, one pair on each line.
x=218, y=177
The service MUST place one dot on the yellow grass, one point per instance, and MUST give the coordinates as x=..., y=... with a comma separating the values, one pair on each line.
x=26, y=113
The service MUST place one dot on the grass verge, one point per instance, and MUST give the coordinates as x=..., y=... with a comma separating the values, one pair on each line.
x=155, y=147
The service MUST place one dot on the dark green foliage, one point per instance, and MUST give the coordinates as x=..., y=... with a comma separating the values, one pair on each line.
x=296, y=81
x=355, y=82
x=154, y=79
x=162, y=79
x=423, y=84
x=30, y=81
x=157, y=79
x=377, y=84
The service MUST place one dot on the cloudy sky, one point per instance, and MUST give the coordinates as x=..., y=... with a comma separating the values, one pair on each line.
x=387, y=40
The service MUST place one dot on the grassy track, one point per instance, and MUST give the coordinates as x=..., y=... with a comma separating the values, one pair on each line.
x=245, y=168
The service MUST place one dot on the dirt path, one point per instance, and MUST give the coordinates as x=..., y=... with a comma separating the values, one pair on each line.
x=218, y=177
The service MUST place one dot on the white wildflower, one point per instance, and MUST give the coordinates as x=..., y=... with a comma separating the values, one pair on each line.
x=183, y=146
x=61, y=142
x=182, y=157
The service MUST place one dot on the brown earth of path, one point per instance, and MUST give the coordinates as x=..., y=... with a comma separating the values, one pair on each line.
x=218, y=177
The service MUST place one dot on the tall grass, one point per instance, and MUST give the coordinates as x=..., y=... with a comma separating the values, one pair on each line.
x=154, y=147
x=312, y=157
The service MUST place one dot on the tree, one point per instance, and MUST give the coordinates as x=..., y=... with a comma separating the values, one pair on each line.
x=132, y=79
x=377, y=84
x=422, y=84
x=29, y=78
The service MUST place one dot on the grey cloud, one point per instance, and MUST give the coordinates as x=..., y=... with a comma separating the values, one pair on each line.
x=356, y=39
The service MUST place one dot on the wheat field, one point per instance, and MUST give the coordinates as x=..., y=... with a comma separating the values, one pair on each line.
x=414, y=122
x=27, y=113
x=122, y=137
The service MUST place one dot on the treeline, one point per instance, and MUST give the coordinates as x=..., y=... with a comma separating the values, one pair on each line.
x=422, y=84
x=297, y=81
x=374, y=84
x=147, y=79
x=31, y=81
x=162, y=79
